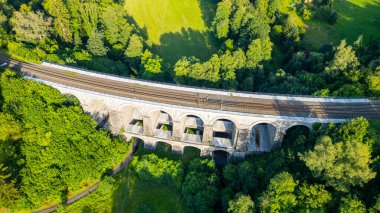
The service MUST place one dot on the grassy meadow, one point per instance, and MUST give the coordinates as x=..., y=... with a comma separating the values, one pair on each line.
x=176, y=28
x=355, y=18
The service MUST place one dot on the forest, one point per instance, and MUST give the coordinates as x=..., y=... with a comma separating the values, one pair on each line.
x=49, y=148
x=256, y=46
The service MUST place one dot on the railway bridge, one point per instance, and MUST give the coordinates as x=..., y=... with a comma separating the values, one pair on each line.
x=210, y=120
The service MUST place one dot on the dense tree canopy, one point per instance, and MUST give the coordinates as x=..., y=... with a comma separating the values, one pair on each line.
x=259, y=46
x=51, y=147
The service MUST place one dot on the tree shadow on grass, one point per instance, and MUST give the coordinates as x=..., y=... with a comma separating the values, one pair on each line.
x=188, y=43
x=208, y=9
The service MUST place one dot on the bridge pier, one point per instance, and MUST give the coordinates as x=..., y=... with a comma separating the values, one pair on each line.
x=207, y=134
x=147, y=125
x=177, y=149
x=177, y=130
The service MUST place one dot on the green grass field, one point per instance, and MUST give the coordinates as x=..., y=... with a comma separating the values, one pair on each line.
x=175, y=28
x=355, y=18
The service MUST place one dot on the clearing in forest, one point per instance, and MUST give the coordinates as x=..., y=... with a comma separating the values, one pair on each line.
x=175, y=28
x=355, y=18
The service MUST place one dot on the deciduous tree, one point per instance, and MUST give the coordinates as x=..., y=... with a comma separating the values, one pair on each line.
x=31, y=26
x=340, y=164
x=241, y=204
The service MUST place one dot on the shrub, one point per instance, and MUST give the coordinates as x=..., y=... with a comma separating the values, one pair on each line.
x=151, y=168
x=21, y=52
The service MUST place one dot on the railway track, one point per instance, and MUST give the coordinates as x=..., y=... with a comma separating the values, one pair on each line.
x=199, y=100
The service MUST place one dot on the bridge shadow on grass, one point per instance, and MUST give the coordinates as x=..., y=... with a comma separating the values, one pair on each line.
x=135, y=196
x=188, y=43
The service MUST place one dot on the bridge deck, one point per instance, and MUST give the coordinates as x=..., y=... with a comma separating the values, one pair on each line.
x=338, y=110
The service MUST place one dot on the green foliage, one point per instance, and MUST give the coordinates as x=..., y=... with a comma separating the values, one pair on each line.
x=8, y=191
x=258, y=51
x=376, y=206
x=199, y=187
x=10, y=128
x=344, y=60
x=151, y=64
x=279, y=197
x=373, y=82
x=59, y=11
x=30, y=26
x=313, y=197
x=240, y=177
x=95, y=44
x=221, y=20
x=22, y=52
x=152, y=168
x=89, y=14
x=116, y=27
x=340, y=164
x=135, y=47
x=60, y=150
x=241, y=204
x=352, y=204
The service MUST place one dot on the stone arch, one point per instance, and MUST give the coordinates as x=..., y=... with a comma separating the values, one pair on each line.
x=262, y=137
x=224, y=132
x=193, y=150
x=131, y=119
x=305, y=125
x=294, y=131
x=212, y=121
x=98, y=110
x=162, y=124
x=164, y=146
x=72, y=99
x=191, y=128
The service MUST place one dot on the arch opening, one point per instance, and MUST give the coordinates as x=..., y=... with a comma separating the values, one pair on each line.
x=262, y=137
x=294, y=132
x=223, y=133
x=192, y=129
x=133, y=119
x=190, y=152
x=163, y=147
x=220, y=157
x=163, y=125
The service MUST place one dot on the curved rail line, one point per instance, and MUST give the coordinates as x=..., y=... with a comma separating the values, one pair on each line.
x=369, y=110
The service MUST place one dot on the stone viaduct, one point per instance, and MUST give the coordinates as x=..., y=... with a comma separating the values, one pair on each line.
x=238, y=134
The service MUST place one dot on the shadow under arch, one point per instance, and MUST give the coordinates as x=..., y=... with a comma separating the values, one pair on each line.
x=192, y=150
x=297, y=136
x=163, y=147
x=220, y=157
